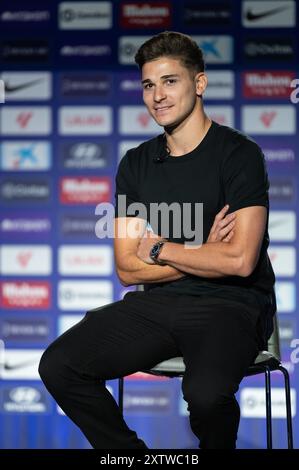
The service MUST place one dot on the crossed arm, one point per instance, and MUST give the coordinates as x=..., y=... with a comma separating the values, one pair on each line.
x=242, y=231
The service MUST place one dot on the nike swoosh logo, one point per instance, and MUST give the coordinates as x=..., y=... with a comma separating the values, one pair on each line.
x=12, y=88
x=19, y=365
x=250, y=16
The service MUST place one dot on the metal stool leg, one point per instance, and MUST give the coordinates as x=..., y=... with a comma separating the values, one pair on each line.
x=268, y=407
x=288, y=405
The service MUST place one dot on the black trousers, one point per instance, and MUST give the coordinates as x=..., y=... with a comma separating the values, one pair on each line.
x=216, y=338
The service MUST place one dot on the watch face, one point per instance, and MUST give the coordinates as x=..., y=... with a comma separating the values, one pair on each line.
x=155, y=250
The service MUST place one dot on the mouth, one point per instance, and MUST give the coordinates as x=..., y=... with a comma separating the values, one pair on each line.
x=162, y=109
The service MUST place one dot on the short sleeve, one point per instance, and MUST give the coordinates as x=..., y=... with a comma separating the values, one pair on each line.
x=244, y=177
x=126, y=188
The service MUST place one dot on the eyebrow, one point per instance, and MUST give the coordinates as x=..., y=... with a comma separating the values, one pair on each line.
x=164, y=77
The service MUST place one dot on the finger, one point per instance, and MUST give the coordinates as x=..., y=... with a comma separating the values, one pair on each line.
x=222, y=213
x=225, y=230
x=228, y=237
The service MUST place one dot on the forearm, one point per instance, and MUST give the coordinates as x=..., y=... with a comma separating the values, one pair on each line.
x=136, y=271
x=211, y=260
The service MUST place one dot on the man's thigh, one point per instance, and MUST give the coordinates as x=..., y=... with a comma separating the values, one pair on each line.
x=218, y=341
x=120, y=338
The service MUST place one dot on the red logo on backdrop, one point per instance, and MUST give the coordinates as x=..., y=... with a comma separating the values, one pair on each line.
x=267, y=118
x=24, y=257
x=143, y=119
x=145, y=15
x=29, y=294
x=23, y=119
x=267, y=84
x=85, y=190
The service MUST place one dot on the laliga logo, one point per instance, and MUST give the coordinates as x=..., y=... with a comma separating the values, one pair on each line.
x=295, y=94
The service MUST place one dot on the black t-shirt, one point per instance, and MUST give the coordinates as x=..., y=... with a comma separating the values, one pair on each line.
x=227, y=167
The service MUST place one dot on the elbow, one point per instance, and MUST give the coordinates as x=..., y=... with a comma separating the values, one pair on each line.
x=123, y=278
x=244, y=267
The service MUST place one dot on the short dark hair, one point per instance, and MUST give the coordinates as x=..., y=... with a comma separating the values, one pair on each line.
x=172, y=44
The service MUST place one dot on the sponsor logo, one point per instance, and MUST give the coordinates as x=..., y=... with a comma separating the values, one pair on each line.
x=279, y=155
x=24, y=400
x=21, y=364
x=84, y=85
x=216, y=49
x=269, y=48
x=78, y=226
x=136, y=120
x=22, y=224
x=282, y=226
x=20, y=51
x=224, y=115
x=84, y=155
x=25, y=155
x=25, y=295
x=127, y=48
x=204, y=14
x=285, y=296
x=21, y=120
x=25, y=329
x=269, y=14
x=70, y=51
x=75, y=260
x=130, y=84
x=283, y=259
x=84, y=295
x=25, y=190
x=282, y=190
x=25, y=16
x=153, y=401
x=269, y=84
x=85, y=190
x=145, y=15
x=253, y=402
x=85, y=15
x=26, y=260
x=221, y=85
x=27, y=85
x=85, y=120
x=65, y=322
x=259, y=120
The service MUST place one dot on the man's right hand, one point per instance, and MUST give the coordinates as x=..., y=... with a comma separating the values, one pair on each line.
x=222, y=228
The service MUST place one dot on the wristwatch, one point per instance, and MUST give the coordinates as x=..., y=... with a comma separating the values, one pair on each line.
x=155, y=251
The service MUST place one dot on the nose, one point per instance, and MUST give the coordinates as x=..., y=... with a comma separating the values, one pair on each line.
x=159, y=93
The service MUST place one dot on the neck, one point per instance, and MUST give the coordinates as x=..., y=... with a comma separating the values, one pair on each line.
x=187, y=136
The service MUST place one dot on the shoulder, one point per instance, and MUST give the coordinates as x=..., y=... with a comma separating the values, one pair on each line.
x=235, y=142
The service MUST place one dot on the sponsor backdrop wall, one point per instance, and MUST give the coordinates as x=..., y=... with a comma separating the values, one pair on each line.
x=72, y=108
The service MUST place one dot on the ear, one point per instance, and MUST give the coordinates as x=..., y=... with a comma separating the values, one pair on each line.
x=201, y=81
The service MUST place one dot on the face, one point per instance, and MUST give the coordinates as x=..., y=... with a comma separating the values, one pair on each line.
x=170, y=90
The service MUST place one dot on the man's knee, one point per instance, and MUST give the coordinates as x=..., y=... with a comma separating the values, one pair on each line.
x=52, y=369
x=206, y=400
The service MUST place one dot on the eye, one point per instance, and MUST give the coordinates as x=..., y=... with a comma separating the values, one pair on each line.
x=147, y=86
x=171, y=81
